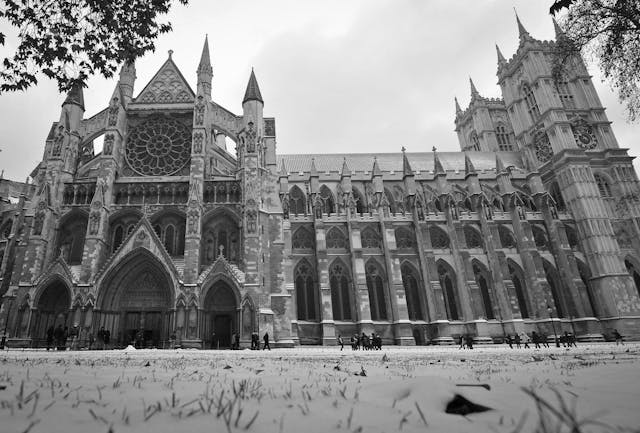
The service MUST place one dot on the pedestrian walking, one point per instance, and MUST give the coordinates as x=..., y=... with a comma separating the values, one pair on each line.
x=266, y=341
x=509, y=341
x=340, y=342
x=536, y=339
x=618, y=337
x=525, y=340
x=518, y=340
x=461, y=341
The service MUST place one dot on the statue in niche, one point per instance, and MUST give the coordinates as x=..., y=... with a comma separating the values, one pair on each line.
x=521, y=213
x=251, y=221
x=285, y=207
x=210, y=250
x=57, y=142
x=114, y=109
x=199, y=109
x=197, y=142
x=94, y=223
x=38, y=220
x=193, y=221
x=108, y=144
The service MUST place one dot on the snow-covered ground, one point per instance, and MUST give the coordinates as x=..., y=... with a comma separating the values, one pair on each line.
x=320, y=390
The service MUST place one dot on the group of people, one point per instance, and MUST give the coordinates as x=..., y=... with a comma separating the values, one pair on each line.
x=63, y=338
x=363, y=342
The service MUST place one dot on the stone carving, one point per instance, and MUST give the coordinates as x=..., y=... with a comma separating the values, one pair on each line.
x=193, y=219
x=38, y=219
x=269, y=127
x=542, y=147
x=285, y=207
x=114, y=109
x=198, y=138
x=251, y=220
x=199, y=111
x=167, y=87
x=107, y=148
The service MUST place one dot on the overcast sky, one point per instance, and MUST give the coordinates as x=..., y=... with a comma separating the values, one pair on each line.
x=338, y=75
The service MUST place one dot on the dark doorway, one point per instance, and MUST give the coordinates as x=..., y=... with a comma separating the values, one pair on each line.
x=222, y=328
x=221, y=315
x=53, y=310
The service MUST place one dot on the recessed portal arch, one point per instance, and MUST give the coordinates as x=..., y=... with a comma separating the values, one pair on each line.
x=52, y=304
x=221, y=313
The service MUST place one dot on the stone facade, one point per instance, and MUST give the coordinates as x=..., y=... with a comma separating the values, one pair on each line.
x=165, y=235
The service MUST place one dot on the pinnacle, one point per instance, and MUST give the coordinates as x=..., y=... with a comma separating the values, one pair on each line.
x=474, y=91
x=375, y=171
x=283, y=169
x=253, y=91
x=75, y=96
x=437, y=165
x=499, y=165
x=468, y=166
x=346, y=171
x=522, y=32
x=458, y=109
x=313, y=171
x=501, y=58
x=406, y=167
x=557, y=28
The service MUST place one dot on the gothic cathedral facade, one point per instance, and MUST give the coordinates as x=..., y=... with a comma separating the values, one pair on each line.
x=165, y=234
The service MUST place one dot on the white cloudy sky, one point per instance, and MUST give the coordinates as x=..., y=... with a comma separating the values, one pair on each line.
x=338, y=75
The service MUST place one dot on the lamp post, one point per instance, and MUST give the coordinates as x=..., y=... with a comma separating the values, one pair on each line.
x=555, y=335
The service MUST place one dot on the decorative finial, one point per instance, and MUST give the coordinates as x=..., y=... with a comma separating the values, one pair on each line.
x=170, y=53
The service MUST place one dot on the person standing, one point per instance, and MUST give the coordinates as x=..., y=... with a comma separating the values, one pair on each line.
x=340, y=342
x=536, y=339
x=266, y=341
x=50, y=333
x=618, y=337
x=525, y=339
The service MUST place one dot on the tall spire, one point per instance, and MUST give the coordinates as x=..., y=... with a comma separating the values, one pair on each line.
x=522, y=32
x=283, y=170
x=501, y=58
x=375, y=171
x=474, y=91
x=469, y=169
x=346, y=171
x=458, y=109
x=205, y=60
x=253, y=91
x=75, y=96
x=437, y=165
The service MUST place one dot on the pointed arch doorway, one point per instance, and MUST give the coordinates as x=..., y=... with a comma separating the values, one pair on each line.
x=52, y=309
x=221, y=315
x=135, y=304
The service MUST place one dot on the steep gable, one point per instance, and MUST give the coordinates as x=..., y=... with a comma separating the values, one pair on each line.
x=167, y=86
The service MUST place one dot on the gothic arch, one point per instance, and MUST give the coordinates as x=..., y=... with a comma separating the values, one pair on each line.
x=405, y=238
x=604, y=184
x=412, y=283
x=5, y=229
x=70, y=236
x=327, y=199
x=221, y=302
x=306, y=291
x=507, y=240
x=484, y=281
x=540, y=237
x=519, y=283
x=378, y=297
x=360, y=201
x=170, y=226
x=336, y=239
x=221, y=234
x=370, y=238
x=297, y=201
x=554, y=190
x=340, y=283
x=472, y=237
x=555, y=286
x=52, y=303
x=447, y=278
x=121, y=224
x=439, y=237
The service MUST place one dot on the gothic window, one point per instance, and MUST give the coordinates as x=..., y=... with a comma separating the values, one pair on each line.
x=306, y=297
x=71, y=237
x=518, y=284
x=504, y=137
x=475, y=141
x=339, y=282
x=328, y=203
x=554, y=190
x=360, y=203
x=540, y=237
x=336, y=239
x=566, y=98
x=506, y=237
x=447, y=279
x=375, y=285
x=371, y=238
x=405, y=238
x=297, y=201
x=118, y=237
x=410, y=283
x=542, y=147
x=553, y=279
x=302, y=239
x=439, y=238
x=158, y=146
x=170, y=229
x=5, y=230
x=634, y=274
x=483, y=279
x=472, y=237
x=530, y=101
x=603, y=186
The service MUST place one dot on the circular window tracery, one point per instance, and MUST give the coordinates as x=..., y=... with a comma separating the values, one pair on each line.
x=159, y=146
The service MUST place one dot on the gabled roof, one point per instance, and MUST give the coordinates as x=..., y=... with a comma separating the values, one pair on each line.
x=168, y=86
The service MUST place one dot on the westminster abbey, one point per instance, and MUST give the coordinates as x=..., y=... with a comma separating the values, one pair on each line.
x=164, y=233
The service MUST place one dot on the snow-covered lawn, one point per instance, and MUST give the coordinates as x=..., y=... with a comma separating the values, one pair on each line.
x=306, y=390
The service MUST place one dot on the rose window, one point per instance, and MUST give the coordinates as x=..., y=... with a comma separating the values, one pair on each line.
x=159, y=146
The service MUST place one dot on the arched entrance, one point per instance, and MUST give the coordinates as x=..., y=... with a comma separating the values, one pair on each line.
x=135, y=304
x=52, y=309
x=221, y=315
